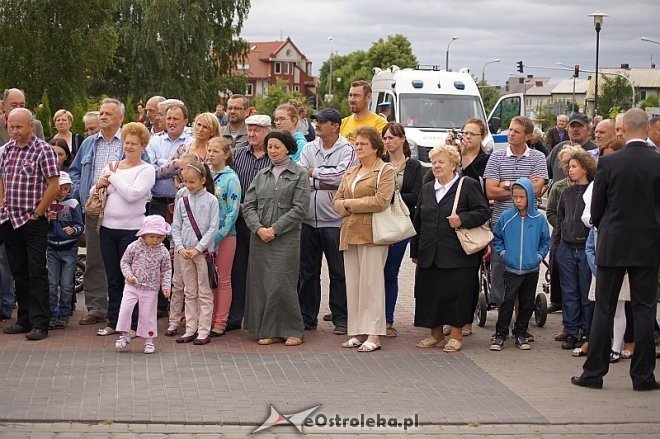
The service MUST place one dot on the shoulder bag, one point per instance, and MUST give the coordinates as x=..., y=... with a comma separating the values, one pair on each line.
x=209, y=256
x=475, y=239
x=95, y=206
x=393, y=224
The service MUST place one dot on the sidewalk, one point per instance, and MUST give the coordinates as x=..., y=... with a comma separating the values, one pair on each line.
x=75, y=384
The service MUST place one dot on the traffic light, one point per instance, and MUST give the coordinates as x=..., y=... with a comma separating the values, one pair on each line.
x=520, y=66
x=577, y=71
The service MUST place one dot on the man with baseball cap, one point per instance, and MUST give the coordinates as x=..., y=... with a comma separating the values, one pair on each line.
x=326, y=159
x=248, y=161
x=578, y=132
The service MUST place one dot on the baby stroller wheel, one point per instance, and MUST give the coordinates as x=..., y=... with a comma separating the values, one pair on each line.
x=481, y=311
x=540, y=309
x=79, y=274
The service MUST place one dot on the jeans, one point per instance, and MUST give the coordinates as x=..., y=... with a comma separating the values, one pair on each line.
x=26, y=248
x=392, y=265
x=61, y=272
x=7, y=296
x=575, y=278
x=113, y=245
x=314, y=243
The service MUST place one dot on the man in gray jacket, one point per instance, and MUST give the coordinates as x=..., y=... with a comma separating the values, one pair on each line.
x=326, y=159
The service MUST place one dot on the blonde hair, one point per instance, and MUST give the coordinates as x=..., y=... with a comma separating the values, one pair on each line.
x=225, y=146
x=63, y=112
x=136, y=129
x=211, y=120
x=450, y=150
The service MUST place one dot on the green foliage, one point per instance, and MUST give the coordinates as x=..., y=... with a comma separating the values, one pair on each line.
x=45, y=115
x=489, y=95
x=131, y=110
x=547, y=118
x=650, y=101
x=61, y=45
x=615, y=93
x=178, y=49
x=359, y=64
x=276, y=95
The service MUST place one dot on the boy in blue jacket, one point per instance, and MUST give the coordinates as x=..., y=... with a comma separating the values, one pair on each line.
x=522, y=238
x=65, y=224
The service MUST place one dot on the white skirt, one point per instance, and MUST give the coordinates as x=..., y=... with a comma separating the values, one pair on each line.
x=624, y=294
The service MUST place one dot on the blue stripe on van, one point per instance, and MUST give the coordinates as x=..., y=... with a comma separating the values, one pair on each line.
x=500, y=138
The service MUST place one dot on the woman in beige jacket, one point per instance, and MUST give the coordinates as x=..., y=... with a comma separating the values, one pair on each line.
x=360, y=194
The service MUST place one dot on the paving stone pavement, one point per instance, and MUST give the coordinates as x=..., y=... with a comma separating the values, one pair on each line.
x=75, y=384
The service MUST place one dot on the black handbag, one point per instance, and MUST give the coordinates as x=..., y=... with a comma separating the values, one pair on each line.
x=209, y=256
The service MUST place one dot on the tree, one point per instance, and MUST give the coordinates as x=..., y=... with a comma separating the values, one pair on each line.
x=396, y=50
x=276, y=95
x=489, y=95
x=650, y=101
x=55, y=45
x=182, y=49
x=614, y=93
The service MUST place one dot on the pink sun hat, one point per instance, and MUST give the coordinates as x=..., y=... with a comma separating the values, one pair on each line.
x=154, y=225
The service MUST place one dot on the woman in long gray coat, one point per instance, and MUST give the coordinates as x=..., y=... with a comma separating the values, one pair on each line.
x=275, y=205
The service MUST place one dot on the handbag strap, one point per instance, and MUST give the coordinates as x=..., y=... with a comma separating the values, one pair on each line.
x=193, y=223
x=458, y=194
x=380, y=171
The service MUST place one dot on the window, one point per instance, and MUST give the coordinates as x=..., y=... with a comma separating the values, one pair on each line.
x=286, y=68
x=642, y=94
x=248, y=90
x=296, y=88
x=278, y=68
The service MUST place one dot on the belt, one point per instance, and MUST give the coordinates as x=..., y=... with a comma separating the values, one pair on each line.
x=162, y=200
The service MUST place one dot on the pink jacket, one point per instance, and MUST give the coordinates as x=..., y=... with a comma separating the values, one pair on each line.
x=151, y=266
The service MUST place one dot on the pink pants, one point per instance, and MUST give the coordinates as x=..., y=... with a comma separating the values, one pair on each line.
x=224, y=258
x=198, y=294
x=148, y=301
x=176, y=294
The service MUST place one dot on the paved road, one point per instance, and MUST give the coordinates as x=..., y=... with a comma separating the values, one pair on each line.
x=74, y=384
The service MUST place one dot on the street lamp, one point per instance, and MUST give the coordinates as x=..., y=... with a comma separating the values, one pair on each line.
x=598, y=22
x=454, y=37
x=648, y=40
x=483, y=71
x=332, y=51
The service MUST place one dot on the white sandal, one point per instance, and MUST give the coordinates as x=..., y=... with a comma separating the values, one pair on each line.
x=368, y=346
x=352, y=343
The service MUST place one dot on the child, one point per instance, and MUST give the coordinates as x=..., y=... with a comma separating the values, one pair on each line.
x=146, y=267
x=522, y=238
x=65, y=224
x=180, y=164
x=228, y=193
x=569, y=241
x=193, y=232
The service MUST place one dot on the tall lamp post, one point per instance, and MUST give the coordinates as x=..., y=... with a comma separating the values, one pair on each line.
x=483, y=71
x=454, y=37
x=598, y=22
x=332, y=52
x=648, y=40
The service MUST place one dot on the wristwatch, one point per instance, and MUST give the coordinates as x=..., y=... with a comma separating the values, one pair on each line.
x=507, y=185
x=34, y=215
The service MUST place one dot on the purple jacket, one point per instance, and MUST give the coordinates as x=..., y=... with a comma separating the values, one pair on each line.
x=151, y=266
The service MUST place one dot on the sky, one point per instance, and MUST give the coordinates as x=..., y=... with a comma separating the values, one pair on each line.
x=538, y=32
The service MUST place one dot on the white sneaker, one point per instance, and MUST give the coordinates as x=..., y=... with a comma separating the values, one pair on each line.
x=122, y=342
x=149, y=348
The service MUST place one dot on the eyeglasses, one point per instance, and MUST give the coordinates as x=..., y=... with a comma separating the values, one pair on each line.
x=235, y=108
x=280, y=119
x=471, y=134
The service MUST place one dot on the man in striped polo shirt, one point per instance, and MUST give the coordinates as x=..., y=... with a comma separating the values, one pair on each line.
x=503, y=169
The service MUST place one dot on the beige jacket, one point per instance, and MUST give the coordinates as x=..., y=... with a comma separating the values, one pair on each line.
x=365, y=200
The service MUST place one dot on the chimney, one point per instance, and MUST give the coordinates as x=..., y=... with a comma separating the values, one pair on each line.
x=625, y=66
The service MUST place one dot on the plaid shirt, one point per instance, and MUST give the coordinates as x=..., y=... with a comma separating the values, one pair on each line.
x=24, y=172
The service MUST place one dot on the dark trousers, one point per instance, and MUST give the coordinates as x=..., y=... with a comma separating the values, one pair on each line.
x=160, y=208
x=575, y=277
x=555, y=284
x=520, y=287
x=392, y=265
x=239, y=274
x=643, y=283
x=629, y=335
x=113, y=245
x=26, y=251
x=314, y=243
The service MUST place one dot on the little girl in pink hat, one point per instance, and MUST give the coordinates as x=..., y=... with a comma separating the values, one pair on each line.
x=146, y=266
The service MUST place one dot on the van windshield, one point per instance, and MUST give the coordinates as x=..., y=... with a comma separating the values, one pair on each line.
x=438, y=111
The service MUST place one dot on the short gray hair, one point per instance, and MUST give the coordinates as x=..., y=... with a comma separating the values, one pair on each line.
x=90, y=114
x=117, y=102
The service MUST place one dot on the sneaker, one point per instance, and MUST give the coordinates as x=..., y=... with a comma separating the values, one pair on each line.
x=15, y=329
x=340, y=330
x=122, y=342
x=522, y=343
x=570, y=342
x=498, y=343
x=149, y=348
x=327, y=317
x=494, y=336
x=37, y=334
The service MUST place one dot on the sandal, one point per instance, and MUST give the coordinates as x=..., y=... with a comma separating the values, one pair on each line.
x=578, y=352
x=293, y=341
x=390, y=331
x=453, y=345
x=429, y=342
x=368, y=346
x=106, y=331
x=446, y=330
x=626, y=354
x=352, y=343
x=466, y=332
x=269, y=341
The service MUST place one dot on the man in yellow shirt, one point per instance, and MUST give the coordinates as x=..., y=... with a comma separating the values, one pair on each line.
x=358, y=99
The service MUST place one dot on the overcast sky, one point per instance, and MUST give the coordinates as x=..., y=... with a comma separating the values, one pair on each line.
x=539, y=32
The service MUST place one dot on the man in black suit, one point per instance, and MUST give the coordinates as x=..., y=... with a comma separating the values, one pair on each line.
x=625, y=209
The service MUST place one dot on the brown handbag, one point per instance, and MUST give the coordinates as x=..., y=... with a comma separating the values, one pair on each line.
x=95, y=206
x=475, y=239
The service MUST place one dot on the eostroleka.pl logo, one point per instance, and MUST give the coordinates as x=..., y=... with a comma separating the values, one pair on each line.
x=362, y=422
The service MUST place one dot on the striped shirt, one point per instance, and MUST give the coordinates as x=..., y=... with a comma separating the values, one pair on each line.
x=24, y=172
x=247, y=166
x=106, y=151
x=503, y=165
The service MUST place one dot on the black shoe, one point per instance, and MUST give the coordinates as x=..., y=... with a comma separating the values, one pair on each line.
x=340, y=330
x=327, y=317
x=522, y=343
x=4, y=318
x=232, y=327
x=569, y=343
x=498, y=343
x=309, y=327
x=615, y=357
x=581, y=382
x=529, y=336
x=37, y=334
x=15, y=329
x=646, y=387
x=554, y=307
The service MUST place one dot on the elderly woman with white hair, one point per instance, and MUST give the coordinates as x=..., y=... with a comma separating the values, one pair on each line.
x=446, y=278
x=536, y=141
x=63, y=120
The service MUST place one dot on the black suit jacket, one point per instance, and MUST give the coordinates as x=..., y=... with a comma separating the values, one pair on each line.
x=436, y=242
x=625, y=207
x=412, y=184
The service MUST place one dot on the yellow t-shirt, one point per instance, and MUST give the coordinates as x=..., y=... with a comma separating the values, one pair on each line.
x=349, y=125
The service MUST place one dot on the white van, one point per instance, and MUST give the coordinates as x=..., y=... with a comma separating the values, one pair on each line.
x=429, y=103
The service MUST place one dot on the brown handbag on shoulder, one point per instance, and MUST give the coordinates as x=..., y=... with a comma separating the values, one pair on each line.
x=95, y=206
x=474, y=239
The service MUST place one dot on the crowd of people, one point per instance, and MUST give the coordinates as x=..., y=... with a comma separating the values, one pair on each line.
x=222, y=224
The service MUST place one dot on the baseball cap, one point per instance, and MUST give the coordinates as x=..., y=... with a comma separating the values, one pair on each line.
x=259, y=119
x=327, y=114
x=65, y=178
x=579, y=118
